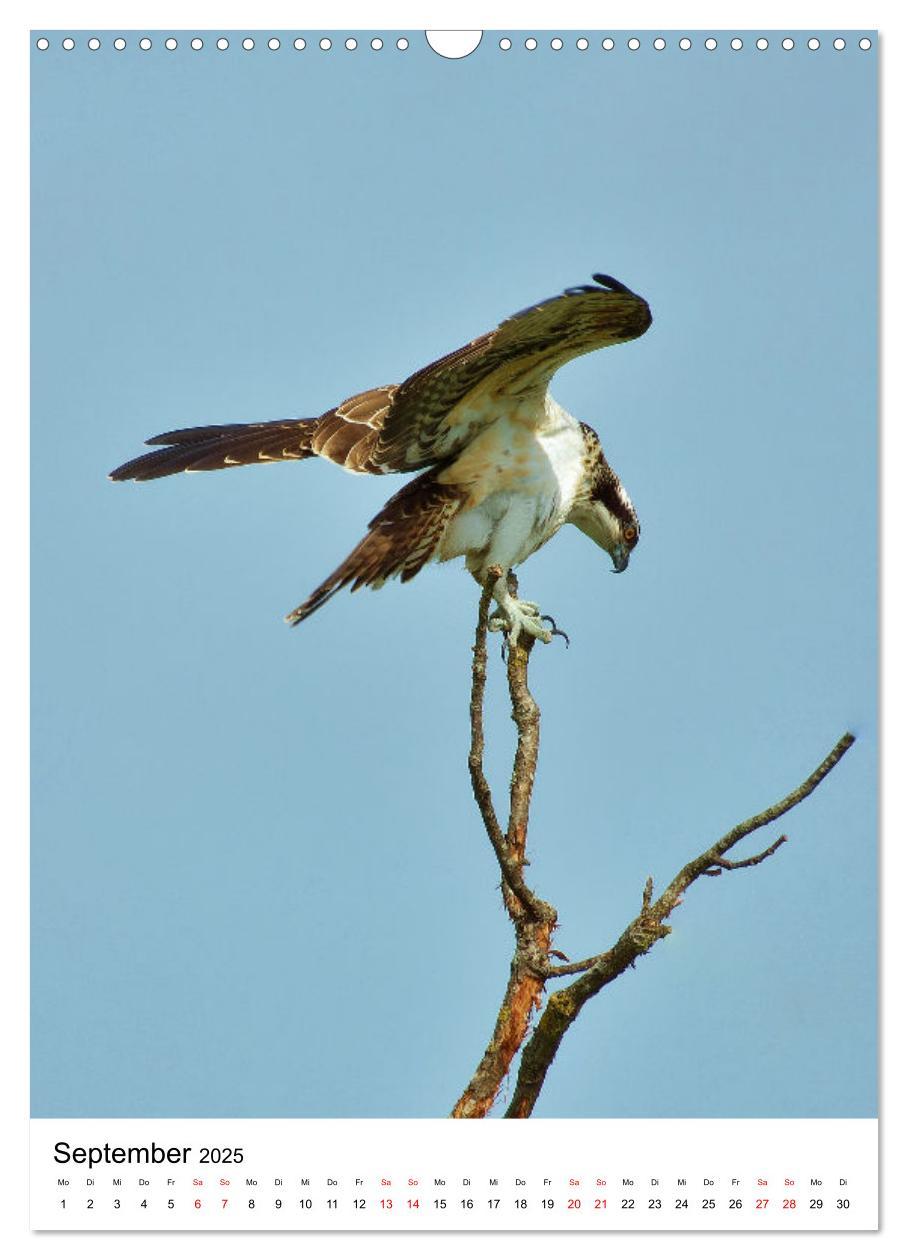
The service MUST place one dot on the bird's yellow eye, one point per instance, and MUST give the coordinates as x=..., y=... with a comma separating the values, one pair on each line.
x=630, y=533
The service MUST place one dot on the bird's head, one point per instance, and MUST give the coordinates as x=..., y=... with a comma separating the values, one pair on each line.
x=604, y=511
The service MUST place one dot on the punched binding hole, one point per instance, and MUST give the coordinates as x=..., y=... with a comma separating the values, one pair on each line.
x=454, y=45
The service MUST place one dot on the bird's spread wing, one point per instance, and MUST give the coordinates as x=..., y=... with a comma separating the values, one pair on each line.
x=436, y=412
x=430, y=417
x=401, y=539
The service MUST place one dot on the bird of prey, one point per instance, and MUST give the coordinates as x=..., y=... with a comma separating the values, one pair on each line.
x=504, y=465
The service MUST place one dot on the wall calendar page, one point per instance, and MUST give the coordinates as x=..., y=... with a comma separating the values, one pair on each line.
x=529, y=773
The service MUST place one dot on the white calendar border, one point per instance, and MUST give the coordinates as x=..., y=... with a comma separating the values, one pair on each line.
x=556, y=1176
x=698, y=15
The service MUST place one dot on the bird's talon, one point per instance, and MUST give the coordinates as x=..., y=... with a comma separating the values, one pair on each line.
x=562, y=634
x=519, y=616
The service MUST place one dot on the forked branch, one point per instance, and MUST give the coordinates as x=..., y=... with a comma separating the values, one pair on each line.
x=534, y=920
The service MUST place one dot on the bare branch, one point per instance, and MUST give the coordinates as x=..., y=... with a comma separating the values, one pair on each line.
x=481, y=790
x=699, y=865
x=510, y=849
x=572, y=969
x=723, y=864
x=533, y=920
x=640, y=935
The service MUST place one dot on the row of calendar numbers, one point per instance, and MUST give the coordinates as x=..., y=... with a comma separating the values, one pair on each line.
x=468, y=1204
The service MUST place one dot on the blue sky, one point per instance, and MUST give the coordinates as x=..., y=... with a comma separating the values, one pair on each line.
x=260, y=886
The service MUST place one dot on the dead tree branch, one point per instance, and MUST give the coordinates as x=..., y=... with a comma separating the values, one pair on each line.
x=535, y=920
x=640, y=935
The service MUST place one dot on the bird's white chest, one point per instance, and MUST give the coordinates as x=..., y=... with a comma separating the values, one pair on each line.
x=521, y=484
x=564, y=451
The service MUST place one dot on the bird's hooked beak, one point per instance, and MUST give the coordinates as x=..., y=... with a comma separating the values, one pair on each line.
x=620, y=557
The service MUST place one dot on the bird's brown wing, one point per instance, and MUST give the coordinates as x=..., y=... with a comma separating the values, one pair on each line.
x=401, y=539
x=430, y=416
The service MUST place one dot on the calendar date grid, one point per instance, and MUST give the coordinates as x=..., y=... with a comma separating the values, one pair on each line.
x=238, y=1194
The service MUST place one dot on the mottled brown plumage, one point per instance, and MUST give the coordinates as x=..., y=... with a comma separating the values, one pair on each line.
x=401, y=539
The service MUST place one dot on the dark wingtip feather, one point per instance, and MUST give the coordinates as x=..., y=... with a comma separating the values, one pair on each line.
x=316, y=600
x=609, y=282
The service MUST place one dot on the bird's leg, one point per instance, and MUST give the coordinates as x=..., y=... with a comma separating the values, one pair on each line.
x=514, y=615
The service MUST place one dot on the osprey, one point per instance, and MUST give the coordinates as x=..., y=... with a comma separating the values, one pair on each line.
x=505, y=465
